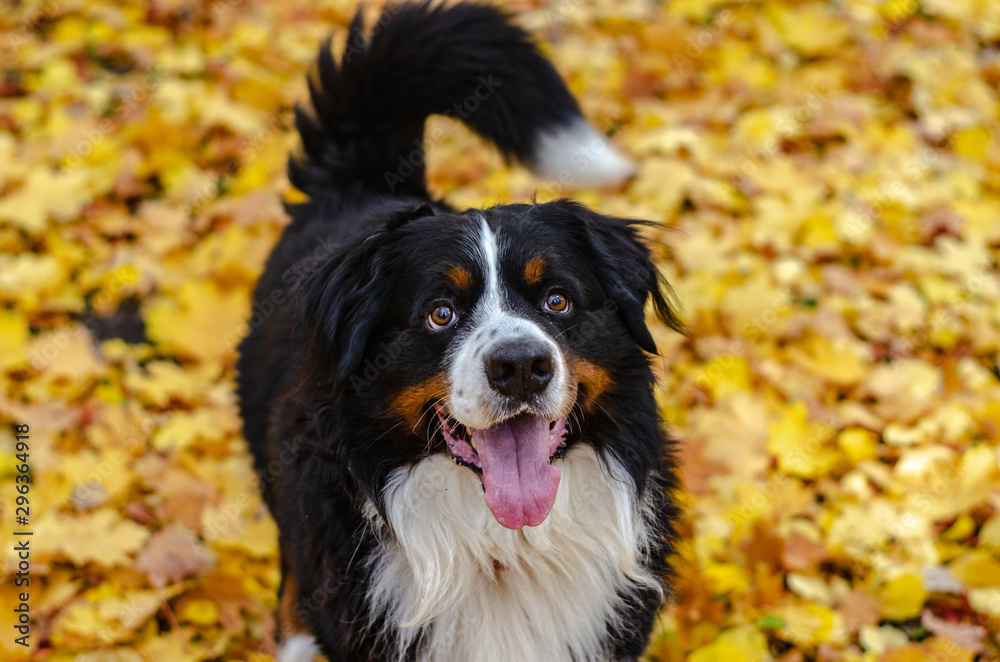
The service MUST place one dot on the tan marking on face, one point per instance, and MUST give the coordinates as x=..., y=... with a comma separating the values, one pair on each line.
x=460, y=277
x=534, y=270
x=409, y=404
x=594, y=381
x=289, y=623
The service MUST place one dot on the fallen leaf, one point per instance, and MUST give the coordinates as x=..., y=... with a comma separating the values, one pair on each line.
x=173, y=554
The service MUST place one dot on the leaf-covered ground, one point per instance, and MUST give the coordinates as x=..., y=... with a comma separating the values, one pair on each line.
x=830, y=177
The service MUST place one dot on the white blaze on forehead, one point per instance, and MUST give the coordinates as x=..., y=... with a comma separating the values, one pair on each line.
x=489, y=254
x=472, y=400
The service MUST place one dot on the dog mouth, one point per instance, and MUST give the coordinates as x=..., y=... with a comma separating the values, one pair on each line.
x=513, y=458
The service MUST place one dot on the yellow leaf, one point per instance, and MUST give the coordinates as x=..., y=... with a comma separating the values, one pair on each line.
x=963, y=527
x=799, y=445
x=177, y=645
x=903, y=597
x=877, y=640
x=105, y=615
x=813, y=589
x=989, y=534
x=718, y=652
x=725, y=375
x=131, y=609
x=756, y=126
x=27, y=277
x=42, y=195
x=81, y=619
x=259, y=538
x=726, y=577
x=739, y=61
x=972, y=142
x=13, y=339
x=163, y=380
x=811, y=29
x=66, y=354
x=943, y=649
x=101, y=537
x=819, y=232
x=986, y=600
x=184, y=428
x=977, y=568
x=201, y=321
x=859, y=444
x=749, y=641
x=811, y=624
x=977, y=472
x=11, y=168
x=216, y=107
x=838, y=361
x=697, y=10
x=200, y=612
x=663, y=182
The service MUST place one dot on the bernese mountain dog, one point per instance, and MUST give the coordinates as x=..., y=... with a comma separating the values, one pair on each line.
x=451, y=412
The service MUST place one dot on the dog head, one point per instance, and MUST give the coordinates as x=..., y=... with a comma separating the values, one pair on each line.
x=493, y=335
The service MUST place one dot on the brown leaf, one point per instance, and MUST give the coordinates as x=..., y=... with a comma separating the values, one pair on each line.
x=173, y=554
x=966, y=635
x=801, y=553
x=858, y=608
x=184, y=498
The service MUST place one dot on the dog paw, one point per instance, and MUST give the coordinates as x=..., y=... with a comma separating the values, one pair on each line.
x=298, y=648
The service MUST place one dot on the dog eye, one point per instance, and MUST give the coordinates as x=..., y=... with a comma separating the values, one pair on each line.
x=557, y=302
x=442, y=316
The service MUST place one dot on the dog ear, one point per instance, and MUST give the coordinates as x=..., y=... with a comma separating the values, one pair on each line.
x=624, y=268
x=342, y=303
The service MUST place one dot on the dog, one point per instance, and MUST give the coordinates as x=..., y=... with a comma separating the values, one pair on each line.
x=451, y=413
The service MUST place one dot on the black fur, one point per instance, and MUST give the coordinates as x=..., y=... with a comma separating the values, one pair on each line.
x=468, y=61
x=338, y=324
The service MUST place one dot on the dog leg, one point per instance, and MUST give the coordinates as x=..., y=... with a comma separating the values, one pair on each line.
x=297, y=642
x=298, y=648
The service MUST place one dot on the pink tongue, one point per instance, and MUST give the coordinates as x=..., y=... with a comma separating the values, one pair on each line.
x=520, y=483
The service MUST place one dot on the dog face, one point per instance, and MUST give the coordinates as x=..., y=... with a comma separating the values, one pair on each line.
x=492, y=335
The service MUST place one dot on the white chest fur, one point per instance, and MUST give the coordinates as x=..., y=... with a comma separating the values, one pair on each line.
x=558, y=583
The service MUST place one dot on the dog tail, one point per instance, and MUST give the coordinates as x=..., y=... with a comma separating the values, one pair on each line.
x=465, y=60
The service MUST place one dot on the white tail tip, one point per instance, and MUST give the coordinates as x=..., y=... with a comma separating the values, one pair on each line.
x=577, y=156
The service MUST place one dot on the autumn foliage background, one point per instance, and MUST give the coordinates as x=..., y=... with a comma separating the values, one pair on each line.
x=828, y=175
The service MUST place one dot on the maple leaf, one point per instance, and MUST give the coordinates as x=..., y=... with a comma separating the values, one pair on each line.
x=102, y=537
x=202, y=321
x=43, y=195
x=800, y=445
x=173, y=554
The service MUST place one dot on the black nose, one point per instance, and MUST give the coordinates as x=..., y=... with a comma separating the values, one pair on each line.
x=520, y=369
